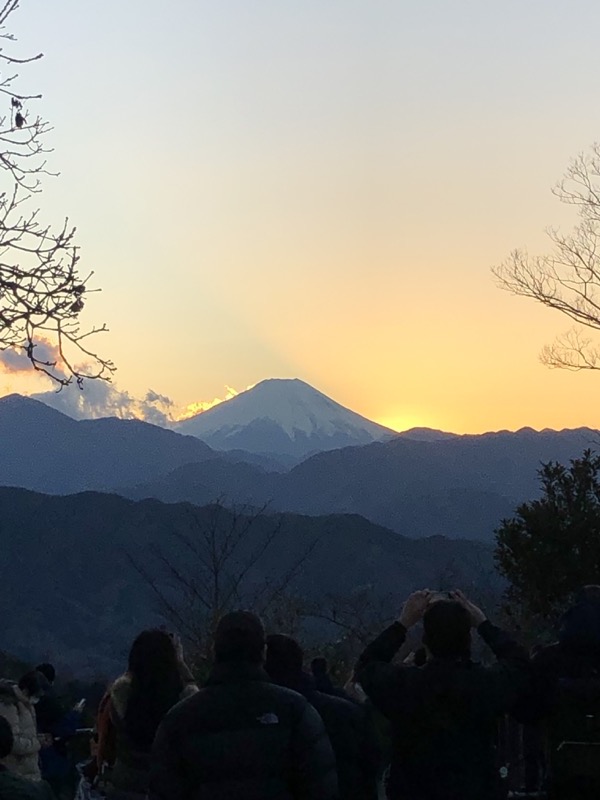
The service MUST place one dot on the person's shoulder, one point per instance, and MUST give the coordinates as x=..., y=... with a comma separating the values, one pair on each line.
x=119, y=694
x=293, y=708
x=189, y=690
x=336, y=705
x=285, y=697
x=193, y=710
x=263, y=688
x=122, y=683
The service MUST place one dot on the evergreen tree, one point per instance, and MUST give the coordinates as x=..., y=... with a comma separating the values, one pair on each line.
x=551, y=547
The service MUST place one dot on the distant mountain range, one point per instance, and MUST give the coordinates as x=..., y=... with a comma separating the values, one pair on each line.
x=420, y=483
x=460, y=487
x=65, y=574
x=71, y=594
x=283, y=417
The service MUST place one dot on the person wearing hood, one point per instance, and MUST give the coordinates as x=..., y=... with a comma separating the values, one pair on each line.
x=17, y=706
x=574, y=657
x=566, y=701
x=347, y=725
x=578, y=645
x=130, y=713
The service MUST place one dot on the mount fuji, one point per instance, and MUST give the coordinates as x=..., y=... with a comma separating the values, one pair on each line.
x=284, y=417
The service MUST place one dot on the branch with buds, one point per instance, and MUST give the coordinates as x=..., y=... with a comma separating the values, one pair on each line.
x=42, y=293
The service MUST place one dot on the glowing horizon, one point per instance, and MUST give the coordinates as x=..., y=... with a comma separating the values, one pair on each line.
x=319, y=190
x=111, y=401
x=199, y=406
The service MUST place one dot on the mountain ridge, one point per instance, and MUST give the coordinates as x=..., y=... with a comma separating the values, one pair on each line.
x=457, y=486
x=460, y=487
x=77, y=600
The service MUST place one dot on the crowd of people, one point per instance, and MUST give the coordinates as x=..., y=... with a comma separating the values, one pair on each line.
x=265, y=727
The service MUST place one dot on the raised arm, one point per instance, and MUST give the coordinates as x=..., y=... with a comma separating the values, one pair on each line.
x=511, y=675
x=380, y=679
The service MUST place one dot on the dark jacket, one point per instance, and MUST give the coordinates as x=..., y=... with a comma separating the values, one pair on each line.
x=242, y=738
x=323, y=682
x=52, y=718
x=571, y=663
x=13, y=787
x=443, y=715
x=352, y=738
x=566, y=698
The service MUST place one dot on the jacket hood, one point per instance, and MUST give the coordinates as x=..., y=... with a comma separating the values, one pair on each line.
x=120, y=692
x=580, y=627
x=8, y=692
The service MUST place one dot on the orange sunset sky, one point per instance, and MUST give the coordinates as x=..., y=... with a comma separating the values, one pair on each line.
x=319, y=189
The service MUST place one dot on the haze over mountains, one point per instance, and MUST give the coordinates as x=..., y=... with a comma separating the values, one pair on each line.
x=460, y=487
x=75, y=598
x=419, y=483
x=65, y=567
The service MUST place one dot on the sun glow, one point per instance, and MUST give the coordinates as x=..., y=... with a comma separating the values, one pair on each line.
x=193, y=409
x=405, y=422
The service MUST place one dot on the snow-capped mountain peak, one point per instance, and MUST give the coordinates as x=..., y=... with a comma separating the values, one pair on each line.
x=282, y=416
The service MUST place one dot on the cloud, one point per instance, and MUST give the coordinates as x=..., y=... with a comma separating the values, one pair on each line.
x=100, y=399
x=155, y=397
x=193, y=409
x=14, y=359
x=156, y=408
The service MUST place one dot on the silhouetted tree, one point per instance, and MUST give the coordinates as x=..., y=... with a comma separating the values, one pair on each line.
x=42, y=292
x=220, y=567
x=551, y=547
x=567, y=279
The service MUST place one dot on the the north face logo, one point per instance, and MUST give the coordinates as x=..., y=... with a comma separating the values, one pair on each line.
x=268, y=719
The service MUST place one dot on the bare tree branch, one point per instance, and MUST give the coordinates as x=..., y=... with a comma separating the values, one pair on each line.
x=42, y=293
x=568, y=278
x=222, y=548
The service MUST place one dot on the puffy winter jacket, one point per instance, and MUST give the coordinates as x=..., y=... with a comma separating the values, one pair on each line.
x=575, y=657
x=444, y=715
x=567, y=699
x=20, y=714
x=349, y=730
x=13, y=787
x=243, y=737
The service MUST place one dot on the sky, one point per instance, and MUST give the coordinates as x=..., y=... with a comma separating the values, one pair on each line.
x=319, y=189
